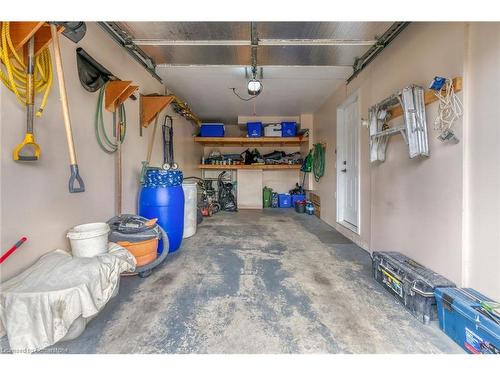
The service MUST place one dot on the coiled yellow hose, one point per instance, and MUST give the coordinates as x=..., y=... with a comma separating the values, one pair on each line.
x=15, y=77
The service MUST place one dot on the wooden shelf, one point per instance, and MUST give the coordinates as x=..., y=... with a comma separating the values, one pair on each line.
x=21, y=32
x=116, y=93
x=245, y=141
x=429, y=98
x=151, y=106
x=243, y=166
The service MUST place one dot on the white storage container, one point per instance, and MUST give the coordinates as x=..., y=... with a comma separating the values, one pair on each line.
x=190, y=207
x=88, y=240
x=272, y=130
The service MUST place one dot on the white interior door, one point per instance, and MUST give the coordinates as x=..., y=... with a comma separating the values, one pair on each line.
x=347, y=163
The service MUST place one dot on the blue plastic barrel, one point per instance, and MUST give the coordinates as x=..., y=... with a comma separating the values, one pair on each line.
x=162, y=197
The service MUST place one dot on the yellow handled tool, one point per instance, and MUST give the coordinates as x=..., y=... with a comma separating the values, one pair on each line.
x=29, y=143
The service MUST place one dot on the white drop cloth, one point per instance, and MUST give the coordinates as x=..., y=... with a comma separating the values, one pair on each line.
x=38, y=306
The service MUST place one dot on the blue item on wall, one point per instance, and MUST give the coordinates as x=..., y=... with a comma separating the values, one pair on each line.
x=464, y=319
x=285, y=200
x=288, y=129
x=255, y=129
x=162, y=197
x=212, y=130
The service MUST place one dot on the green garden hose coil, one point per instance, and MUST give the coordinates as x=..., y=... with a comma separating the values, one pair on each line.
x=106, y=144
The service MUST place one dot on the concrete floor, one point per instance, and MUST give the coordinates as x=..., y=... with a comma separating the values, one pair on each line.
x=268, y=281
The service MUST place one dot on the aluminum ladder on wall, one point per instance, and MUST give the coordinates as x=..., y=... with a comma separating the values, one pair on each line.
x=413, y=130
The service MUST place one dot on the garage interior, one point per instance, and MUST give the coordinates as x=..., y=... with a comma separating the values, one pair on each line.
x=125, y=105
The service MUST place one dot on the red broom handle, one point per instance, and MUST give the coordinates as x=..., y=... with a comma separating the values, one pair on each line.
x=12, y=249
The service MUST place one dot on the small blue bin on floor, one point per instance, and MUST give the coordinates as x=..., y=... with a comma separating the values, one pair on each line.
x=212, y=130
x=463, y=319
x=297, y=198
x=255, y=129
x=288, y=129
x=285, y=200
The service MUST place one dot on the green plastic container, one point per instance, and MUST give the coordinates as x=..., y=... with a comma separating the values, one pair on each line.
x=266, y=196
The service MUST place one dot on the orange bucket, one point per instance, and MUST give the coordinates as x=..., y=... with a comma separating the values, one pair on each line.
x=144, y=252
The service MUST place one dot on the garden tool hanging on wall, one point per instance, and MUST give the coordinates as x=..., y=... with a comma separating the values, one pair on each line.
x=75, y=175
x=29, y=150
x=167, y=130
x=145, y=164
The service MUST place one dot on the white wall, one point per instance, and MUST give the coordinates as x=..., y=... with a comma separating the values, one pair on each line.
x=482, y=161
x=407, y=205
x=35, y=201
x=416, y=206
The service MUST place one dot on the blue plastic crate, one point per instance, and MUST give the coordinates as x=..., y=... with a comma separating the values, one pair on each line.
x=255, y=129
x=288, y=129
x=285, y=200
x=462, y=319
x=212, y=130
x=297, y=198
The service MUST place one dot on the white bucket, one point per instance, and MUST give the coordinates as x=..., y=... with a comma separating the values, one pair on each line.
x=88, y=240
x=190, y=207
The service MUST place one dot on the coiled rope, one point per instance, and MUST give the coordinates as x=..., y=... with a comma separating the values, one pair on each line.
x=15, y=75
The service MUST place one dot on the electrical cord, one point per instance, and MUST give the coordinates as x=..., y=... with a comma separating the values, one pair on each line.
x=246, y=99
x=15, y=75
x=449, y=109
x=318, y=161
x=105, y=143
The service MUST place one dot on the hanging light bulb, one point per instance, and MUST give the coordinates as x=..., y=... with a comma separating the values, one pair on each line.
x=254, y=86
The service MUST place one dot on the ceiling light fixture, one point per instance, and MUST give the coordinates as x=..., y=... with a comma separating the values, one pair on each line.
x=254, y=86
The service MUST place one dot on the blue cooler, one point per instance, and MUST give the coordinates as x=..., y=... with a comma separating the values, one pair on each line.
x=288, y=129
x=463, y=319
x=285, y=200
x=255, y=129
x=212, y=130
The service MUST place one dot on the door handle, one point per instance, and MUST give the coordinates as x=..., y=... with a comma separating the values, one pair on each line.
x=344, y=170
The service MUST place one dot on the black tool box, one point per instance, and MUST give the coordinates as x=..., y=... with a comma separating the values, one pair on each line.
x=410, y=282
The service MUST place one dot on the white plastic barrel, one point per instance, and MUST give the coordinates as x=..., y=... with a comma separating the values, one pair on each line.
x=88, y=240
x=190, y=207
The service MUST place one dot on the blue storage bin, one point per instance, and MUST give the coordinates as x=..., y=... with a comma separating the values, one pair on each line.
x=288, y=129
x=212, y=130
x=255, y=129
x=298, y=197
x=285, y=200
x=461, y=317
